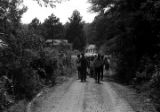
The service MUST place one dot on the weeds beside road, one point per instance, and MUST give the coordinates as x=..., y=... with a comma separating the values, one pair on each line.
x=138, y=102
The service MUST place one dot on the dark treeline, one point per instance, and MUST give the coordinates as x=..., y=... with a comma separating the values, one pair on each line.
x=129, y=31
x=74, y=31
x=26, y=64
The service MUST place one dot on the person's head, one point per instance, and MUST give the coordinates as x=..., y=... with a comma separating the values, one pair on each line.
x=82, y=54
x=78, y=56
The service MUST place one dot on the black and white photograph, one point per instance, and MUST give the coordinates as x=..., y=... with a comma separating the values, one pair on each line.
x=79, y=55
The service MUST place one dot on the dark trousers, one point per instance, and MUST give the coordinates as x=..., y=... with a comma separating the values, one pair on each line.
x=97, y=74
x=83, y=74
x=92, y=72
x=79, y=72
x=101, y=73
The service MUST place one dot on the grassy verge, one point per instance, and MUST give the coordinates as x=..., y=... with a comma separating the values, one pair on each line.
x=138, y=101
x=45, y=96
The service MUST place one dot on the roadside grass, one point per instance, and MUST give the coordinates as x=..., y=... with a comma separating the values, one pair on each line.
x=139, y=101
x=44, y=97
x=23, y=105
x=18, y=107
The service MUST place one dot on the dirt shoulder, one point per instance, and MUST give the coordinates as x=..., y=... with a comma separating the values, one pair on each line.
x=137, y=101
x=76, y=96
x=43, y=101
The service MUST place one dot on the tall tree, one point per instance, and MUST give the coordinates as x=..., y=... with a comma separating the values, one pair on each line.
x=52, y=28
x=90, y=31
x=35, y=23
x=74, y=32
x=35, y=26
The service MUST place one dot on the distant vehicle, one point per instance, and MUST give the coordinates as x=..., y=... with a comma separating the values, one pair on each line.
x=91, y=50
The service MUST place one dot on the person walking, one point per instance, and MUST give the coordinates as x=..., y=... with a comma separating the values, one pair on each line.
x=83, y=68
x=97, y=64
x=78, y=66
x=92, y=71
x=102, y=67
x=106, y=64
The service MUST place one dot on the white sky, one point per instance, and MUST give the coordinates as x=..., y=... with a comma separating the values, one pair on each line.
x=62, y=11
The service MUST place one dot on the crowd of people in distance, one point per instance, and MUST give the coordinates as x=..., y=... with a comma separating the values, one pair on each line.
x=92, y=66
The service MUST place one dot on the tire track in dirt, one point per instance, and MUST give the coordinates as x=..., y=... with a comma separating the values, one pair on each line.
x=102, y=98
x=93, y=100
x=84, y=97
x=72, y=101
x=115, y=103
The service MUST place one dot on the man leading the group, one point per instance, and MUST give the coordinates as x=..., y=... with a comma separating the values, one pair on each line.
x=78, y=66
x=84, y=64
x=102, y=67
x=98, y=64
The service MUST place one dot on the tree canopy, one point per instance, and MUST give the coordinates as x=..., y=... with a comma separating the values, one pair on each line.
x=52, y=28
x=74, y=31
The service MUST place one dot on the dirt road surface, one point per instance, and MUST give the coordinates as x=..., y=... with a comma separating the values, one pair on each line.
x=83, y=97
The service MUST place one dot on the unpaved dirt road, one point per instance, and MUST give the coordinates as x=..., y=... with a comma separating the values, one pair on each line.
x=83, y=97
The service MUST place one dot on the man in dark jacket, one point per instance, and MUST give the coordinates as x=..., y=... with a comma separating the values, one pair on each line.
x=84, y=64
x=102, y=67
x=78, y=66
x=106, y=64
x=98, y=64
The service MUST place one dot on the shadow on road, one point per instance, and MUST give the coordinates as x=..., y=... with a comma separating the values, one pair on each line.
x=112, y=78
